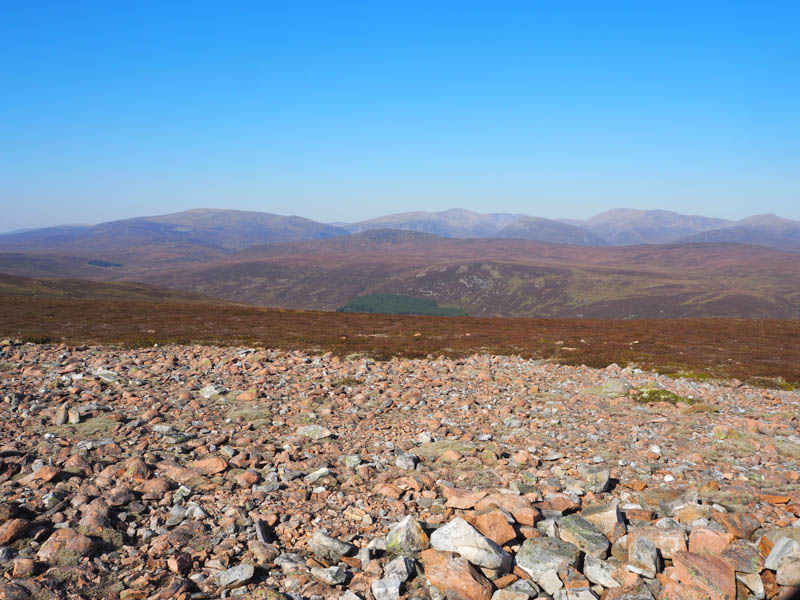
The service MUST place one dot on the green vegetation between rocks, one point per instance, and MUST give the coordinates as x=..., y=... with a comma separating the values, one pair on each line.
x=647, y=395
x=347, y=381
x=396, y=304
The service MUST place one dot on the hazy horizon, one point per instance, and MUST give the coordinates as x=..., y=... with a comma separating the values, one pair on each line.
x=366, y=218
x=350, y=111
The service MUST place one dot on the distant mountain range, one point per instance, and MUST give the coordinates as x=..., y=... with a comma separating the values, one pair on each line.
x=537, y=229
x=219, y=232
x=619, y=264
x=617, y=227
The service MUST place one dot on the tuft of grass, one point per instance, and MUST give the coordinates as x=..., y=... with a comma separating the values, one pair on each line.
x=647, y=395
x=698, y=375
x=775, y=383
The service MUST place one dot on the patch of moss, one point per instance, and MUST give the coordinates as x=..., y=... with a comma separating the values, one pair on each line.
x=647, y=395
x=690, y=375
x=67, y=559
x=788, y=449
x=347, y=381
x=740, y=446
x=255, y=415
x=436, y=449
x=111, y=537
x=92, y=427
x=775, y=383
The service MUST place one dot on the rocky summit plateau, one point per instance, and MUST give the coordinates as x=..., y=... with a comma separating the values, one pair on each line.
x=190, y=472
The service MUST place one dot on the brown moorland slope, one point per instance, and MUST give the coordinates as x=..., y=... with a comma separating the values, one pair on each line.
x=757, y=350
x=497, y=277
x=11, y=285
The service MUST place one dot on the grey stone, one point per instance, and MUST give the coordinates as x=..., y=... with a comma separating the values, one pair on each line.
x=400, y=568
x=329, y=548
x=643, y=557
x=548, y=527
x=314, y=432
x=331, y=575
x=176, y=515
x=212, y=390
x=351, y=461
x=407, y=537
x=539, y=555
x=753, y=583
x=386, y=589
x=462, y=538
x=407, y=462
x=508, y=594
x=528, y=588
x=6, y=554
x=291, y=562
x=61, y=414
x=783, y=547
x=791, y=532
x=105, y=375
x=668, y=523
x=550, y=581
x=582, y=533
x=236, y=576
x=74, y=416
x=317, y=475
x=50, y=499
x=788, y=572
x=595, y=479
x=599, y=571
x=604, y=516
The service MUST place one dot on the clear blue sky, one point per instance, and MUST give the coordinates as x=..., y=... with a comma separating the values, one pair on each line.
x=347, y=110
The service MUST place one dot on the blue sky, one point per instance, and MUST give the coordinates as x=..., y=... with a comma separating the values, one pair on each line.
x=340, y=111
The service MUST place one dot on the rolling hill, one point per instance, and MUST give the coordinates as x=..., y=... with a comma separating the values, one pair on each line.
x=761, y=230
x=537, y=229
x=506, y=277
x=193, y=236
x=456, y=223
x=624, y=226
